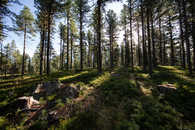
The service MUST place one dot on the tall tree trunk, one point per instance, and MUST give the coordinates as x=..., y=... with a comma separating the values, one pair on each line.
x=187, y=37
x=164, y=48
x=45, y=53
x=99, y=4
x=149, y=41
x=172, y=43
x=160, y=41
x=94, y=49
x=61, y=47
x=71, y=50
x=131, y=34
x=182, y=36
x=1, y=65
x=111, y=49
x=127, y=58
x=122, y=54
x=153, y=42
x=143, y=37
x=41, y=49
x=67, y=51
x=23, y=58
x=6, y=60
x=89, y=52
x=193, y=29
x=48, y=43
x=139, y=47
x=81, y=40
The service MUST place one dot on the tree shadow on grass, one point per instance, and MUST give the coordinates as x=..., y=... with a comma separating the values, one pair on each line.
x=183, y=99
x=119, y=103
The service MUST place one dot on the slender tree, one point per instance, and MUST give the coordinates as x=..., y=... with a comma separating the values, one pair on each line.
x=24, y=23
x=82, y=8
x=111, y=19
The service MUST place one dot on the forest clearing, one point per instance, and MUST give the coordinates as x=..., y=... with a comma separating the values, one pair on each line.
x=97, y=65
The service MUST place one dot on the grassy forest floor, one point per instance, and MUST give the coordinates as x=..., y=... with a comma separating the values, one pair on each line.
x=114, y=100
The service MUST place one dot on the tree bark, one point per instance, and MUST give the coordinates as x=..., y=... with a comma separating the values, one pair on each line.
x=131, y=34
x=41, y=49
x=193, y=29
x=172, y=43
x=138, y=41
x=164, y=48
x=182, y=36
x=127, y=59
x=99, y=3
x=149, y=41
x=48, y=43
x=153, y=42
x=71, y=50
x=23, y=58
x=81, y=40
x=143, y=37
x=67, y=51
x=160, y=42
x=187, y=37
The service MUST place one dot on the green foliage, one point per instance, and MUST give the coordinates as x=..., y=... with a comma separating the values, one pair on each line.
x=25, y=21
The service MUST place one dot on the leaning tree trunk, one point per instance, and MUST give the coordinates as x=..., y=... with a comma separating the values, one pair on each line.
x=187, y=37
x=99, y=3
x=23, y=58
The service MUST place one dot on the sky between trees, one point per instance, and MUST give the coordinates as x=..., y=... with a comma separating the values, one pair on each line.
x=34, y=41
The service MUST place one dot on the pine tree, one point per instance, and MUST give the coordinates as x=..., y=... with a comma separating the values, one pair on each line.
x=24, y=23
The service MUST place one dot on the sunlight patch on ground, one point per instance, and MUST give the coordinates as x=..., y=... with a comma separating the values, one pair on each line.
x=98, y=81
x=73, y=76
